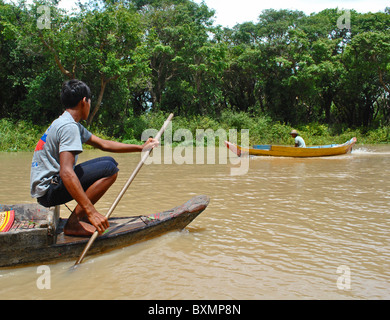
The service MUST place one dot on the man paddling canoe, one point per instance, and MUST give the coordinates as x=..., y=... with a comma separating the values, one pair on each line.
x=56, y=179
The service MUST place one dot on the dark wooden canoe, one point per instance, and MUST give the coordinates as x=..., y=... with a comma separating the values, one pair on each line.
x=37, y=236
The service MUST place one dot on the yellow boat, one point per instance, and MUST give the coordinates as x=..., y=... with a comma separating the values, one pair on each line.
x=288, y=151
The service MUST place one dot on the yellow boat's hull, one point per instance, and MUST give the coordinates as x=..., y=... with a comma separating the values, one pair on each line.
x=287, y=151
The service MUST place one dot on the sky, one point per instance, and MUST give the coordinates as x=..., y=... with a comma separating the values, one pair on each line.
x=230, y=12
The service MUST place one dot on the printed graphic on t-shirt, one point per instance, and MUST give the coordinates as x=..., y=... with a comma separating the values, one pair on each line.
x=42, y=141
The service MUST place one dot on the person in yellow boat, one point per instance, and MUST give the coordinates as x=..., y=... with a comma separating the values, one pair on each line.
x=299, y=142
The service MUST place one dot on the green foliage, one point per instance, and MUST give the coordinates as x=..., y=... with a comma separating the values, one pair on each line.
x=146, y=58
x=19, y=136
x=380, y=135
x=23, y=136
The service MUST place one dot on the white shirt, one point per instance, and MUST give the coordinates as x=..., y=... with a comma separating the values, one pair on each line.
x=300, y=142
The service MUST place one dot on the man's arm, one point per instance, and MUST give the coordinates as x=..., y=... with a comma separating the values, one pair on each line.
x=118, y=147
x=72, y=184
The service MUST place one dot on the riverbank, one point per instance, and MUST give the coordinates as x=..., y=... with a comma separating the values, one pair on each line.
x=23, y=136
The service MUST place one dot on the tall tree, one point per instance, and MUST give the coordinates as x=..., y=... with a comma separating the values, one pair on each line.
x=96, y=44
x=178, y=42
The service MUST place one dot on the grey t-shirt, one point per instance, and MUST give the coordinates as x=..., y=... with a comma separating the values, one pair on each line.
x=64, y=134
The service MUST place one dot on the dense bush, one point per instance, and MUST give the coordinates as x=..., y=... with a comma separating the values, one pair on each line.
x=23, y=136
x=152, y=56
x=18, y=136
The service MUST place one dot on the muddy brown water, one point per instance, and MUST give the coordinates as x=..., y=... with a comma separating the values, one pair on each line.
x=315, y=228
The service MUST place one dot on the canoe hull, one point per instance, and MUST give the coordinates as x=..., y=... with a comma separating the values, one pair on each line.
x=287, y=151
x=34, y=249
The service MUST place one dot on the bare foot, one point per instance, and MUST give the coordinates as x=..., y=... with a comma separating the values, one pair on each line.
x=81, y=229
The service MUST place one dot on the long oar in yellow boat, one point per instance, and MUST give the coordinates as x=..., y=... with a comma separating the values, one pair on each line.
x=125, y=187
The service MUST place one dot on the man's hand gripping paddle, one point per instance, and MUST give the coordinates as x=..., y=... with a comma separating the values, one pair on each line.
x=125, y=187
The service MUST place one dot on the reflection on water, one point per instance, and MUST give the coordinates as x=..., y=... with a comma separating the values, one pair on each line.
x=279, y=232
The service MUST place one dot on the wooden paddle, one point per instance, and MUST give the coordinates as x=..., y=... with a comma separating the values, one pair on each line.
x=125, y=187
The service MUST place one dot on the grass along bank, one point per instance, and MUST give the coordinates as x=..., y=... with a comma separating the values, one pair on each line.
x=23, y=136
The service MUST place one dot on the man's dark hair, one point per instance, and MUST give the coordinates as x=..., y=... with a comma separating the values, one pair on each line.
x=73, y=91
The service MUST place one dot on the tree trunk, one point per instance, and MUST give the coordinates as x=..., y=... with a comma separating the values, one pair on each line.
x=385, y=86
x=103, y=84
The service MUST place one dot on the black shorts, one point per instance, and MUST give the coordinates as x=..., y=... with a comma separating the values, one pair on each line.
x=88, y=173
